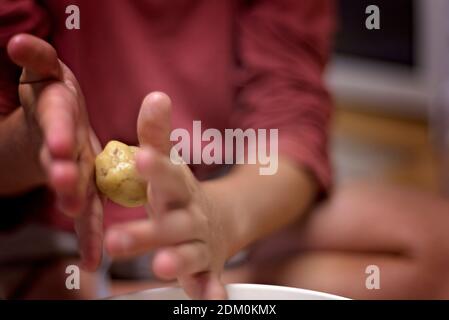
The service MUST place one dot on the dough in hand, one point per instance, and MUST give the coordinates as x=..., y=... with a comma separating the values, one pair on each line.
x=117, y=177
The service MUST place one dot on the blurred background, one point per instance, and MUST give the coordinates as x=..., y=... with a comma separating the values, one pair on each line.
x=389, y=87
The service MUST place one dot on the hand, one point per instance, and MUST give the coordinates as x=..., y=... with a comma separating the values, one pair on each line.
x=186, y=228
x=58, y=125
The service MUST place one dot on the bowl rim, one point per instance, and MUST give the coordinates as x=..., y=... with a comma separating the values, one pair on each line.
x=285, y=288
x=233, y=286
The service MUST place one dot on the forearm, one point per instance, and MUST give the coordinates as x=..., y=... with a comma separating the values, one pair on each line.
x=19, y=163
x=258, y=205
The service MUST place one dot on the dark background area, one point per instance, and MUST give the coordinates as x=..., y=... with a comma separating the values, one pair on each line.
x=394, y=42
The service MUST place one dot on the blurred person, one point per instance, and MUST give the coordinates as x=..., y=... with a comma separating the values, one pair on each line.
x=230, y=64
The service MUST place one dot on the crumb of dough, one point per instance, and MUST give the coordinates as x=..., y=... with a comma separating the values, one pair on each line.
x=117, y=177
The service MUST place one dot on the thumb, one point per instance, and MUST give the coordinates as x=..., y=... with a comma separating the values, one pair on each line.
x=38, y=58
x=154, y=122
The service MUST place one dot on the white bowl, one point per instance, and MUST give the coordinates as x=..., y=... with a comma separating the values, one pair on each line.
x=236, y=292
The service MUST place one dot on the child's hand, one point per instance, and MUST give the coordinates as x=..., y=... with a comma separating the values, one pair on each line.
x=190, y=235
x=58, y=125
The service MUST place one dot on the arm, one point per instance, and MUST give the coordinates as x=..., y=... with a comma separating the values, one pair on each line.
x=42, y=115
x=20, y=170
x=259, y=205
x=19, y=163
x=197, y=226
x=48, y=140
x=283, y=49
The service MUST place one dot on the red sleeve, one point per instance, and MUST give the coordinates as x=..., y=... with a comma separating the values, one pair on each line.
x=16, y=16
x=283, y=47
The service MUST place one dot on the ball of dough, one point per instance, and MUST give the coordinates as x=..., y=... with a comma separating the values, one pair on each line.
x=117, y=177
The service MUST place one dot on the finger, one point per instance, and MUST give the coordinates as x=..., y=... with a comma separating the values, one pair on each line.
x=37, y=57
x=154, y=122
x=213, y=288
x=181, y=260
x=169, y=189
x=138, y=237
x=89, y=228
x=45, y=158
x=205, y=285
x=63, y=176
x=56, y=116
x=86, y=167
x=96, y=145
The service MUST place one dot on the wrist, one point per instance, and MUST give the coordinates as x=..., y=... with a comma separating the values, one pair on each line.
x=227, y=212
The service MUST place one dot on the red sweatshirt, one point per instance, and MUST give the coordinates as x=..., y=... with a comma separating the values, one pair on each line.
x=230, y=64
